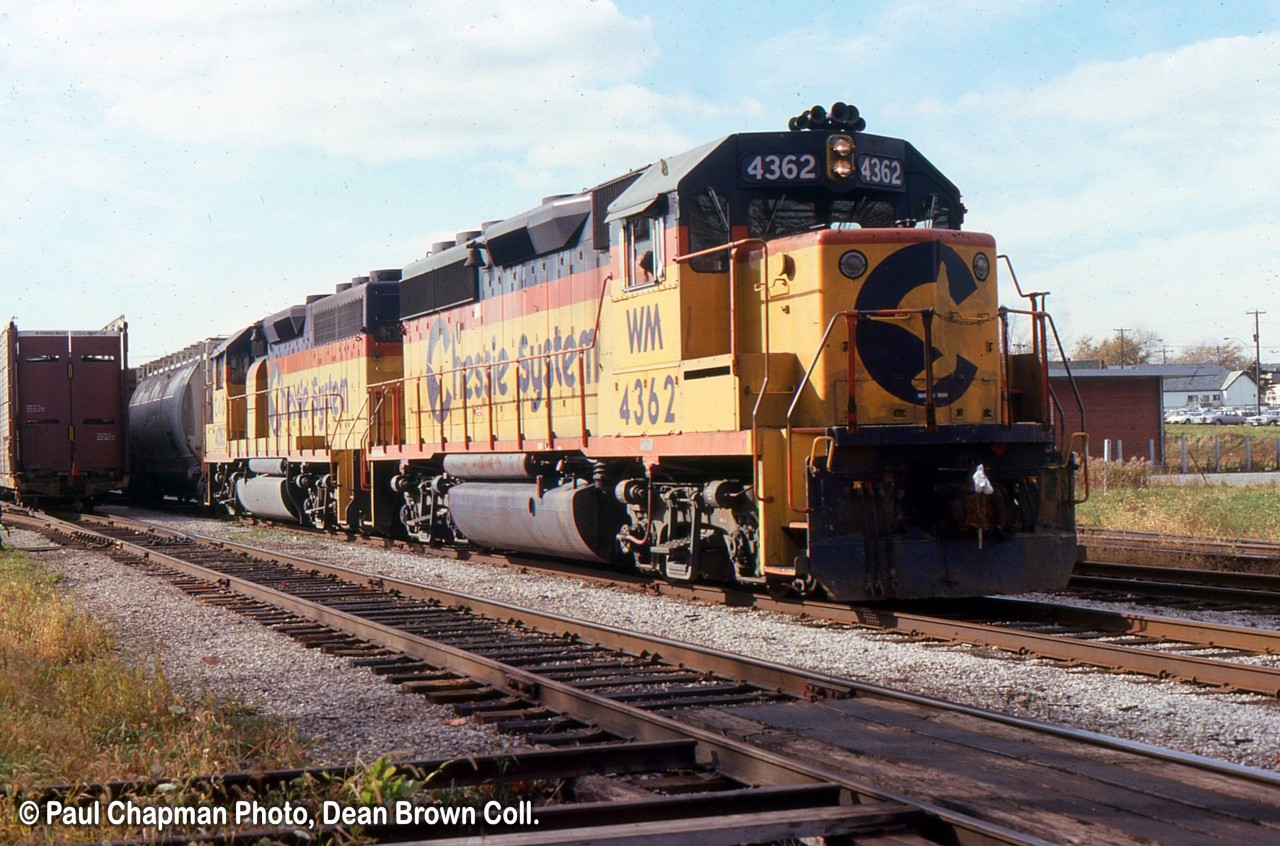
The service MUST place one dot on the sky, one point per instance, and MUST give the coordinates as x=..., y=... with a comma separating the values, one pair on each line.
x=195, y=166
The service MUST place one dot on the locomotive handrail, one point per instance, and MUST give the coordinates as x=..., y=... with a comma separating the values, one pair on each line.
x=822, y=343
x=1044, y=318
x=733, y=247
x=400, y=385
x=852, y=316
x=578, y=390
x=287, y=411
x=1017, y=287
x=1042, y=339
x=1066, y=366
x=365, y=438
x=1084, y=432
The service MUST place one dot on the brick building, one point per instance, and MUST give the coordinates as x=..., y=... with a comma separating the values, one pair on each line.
x=1122, y=406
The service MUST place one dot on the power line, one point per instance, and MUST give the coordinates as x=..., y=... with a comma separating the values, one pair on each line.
x=1122, y=330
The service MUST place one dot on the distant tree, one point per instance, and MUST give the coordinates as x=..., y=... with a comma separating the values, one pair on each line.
x=1229, y=354
x=1135, y=346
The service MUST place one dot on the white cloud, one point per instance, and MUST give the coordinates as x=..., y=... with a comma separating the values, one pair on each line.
x=153, y=151
x=1139, y=191
x=1185, y=287
x=138, y=138
x=371, y=80
x=1188, y=139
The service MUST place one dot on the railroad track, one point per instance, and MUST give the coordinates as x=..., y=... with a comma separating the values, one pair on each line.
x=1219, y=588
x=534, y=671
x=1231, y=658
x=527, y=675
x=1235, y=658
x=1118, y=545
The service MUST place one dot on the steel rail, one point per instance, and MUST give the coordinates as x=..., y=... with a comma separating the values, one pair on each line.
x=1074, y=650
x=1188, y=668
x=740, y=760
x=789, y=680
x=1130, y=540
x=1256, y=600
x=1216, y=584
x=1159, y=628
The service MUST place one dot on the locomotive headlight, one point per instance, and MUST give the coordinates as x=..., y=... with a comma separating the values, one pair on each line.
x=853, y=264
x=981, y=266
x=839, y=157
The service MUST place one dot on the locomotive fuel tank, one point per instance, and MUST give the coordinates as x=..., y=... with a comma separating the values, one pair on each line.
x=269, y=492
x=567, y=521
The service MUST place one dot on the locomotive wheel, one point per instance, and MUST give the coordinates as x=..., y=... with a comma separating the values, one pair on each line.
x=800, y=586
x=780, y=589
x=806, y=586
x=407, y=515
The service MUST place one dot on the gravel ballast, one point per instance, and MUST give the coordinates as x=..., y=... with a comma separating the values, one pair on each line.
x=346, y=713
x=1243, y=729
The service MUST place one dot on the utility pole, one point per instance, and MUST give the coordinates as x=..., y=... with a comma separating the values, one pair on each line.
x=1122, y=330
x=1257, y=360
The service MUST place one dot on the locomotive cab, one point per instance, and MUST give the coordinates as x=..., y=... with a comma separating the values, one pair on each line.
x=822, y=302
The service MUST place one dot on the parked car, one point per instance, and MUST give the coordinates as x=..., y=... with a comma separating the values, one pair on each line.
x=1266, y=417
x=1179, y=415
x=1224, y=417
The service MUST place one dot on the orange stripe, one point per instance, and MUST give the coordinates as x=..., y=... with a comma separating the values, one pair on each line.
x=651, y=448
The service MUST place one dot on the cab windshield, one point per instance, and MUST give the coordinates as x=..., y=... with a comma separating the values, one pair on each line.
x=780, y=215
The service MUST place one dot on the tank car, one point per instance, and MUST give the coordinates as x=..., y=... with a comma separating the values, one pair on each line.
x=288, y=420
x=63, y=398
x=774, y=359
x=166, y=424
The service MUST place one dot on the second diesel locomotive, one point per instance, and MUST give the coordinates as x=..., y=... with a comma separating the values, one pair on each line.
x=774, y=359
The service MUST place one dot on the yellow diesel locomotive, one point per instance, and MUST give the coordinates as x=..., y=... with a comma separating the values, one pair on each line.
x=774, y=359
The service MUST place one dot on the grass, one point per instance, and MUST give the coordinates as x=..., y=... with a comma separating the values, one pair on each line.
x=1123, y=494
x=1129, y=500
x=73, y=710
x=1201, y=456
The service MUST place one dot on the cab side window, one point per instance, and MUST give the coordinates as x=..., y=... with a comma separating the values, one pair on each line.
x=643, y=238
x=708, y=228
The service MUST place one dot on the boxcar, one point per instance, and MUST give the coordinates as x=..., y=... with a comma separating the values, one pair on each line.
x=63, y=399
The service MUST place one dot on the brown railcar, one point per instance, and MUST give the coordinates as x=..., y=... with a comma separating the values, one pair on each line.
x=63, y=407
